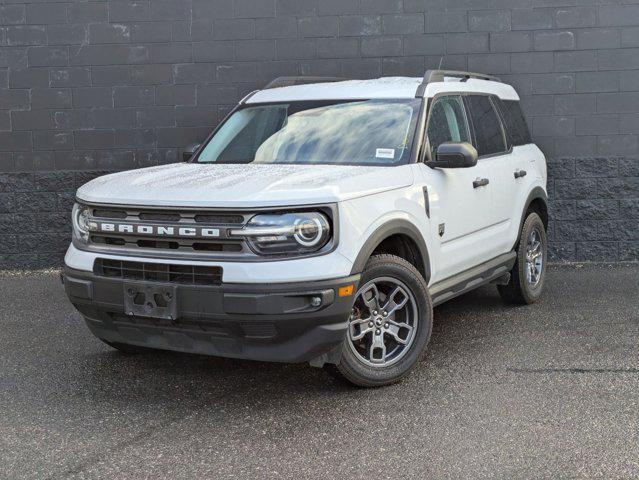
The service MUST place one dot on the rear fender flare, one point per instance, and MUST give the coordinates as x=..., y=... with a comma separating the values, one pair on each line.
x=535, y=193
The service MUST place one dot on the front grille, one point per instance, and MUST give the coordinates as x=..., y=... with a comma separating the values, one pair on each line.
x=158, y=272
x=169, y=216
x=103, y=213
x=122, y=241
x=159, y=217
x=218, y=218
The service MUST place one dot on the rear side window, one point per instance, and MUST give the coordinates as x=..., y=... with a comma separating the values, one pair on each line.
x=488, y=132
x=514, y=121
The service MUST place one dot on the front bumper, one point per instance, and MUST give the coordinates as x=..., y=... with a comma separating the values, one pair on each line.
x=268, y=322
x=331, y=265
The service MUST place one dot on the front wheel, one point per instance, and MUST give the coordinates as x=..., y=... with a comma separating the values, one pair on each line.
x=529, y=272
x=389, y=326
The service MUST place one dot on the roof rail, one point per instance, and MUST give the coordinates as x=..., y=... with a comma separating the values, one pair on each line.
x=438, y=76
x=291, y=81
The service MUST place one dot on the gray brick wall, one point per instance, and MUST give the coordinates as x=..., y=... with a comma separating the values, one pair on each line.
x=88, y=87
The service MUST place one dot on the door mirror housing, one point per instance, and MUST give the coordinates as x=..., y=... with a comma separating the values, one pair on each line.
x=454, y=155
x=189, y=150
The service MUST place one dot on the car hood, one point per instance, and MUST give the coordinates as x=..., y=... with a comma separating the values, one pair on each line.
x=245, y=185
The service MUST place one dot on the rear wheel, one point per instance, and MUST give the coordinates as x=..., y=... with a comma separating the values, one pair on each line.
x=528, y=274
x=389, y=326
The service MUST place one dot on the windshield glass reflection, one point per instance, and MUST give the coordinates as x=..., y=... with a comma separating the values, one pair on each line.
x=370, y=132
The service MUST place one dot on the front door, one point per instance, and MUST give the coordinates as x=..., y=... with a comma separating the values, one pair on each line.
x=459, y=202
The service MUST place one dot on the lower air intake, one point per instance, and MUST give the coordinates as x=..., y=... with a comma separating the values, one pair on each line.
x=158, y=272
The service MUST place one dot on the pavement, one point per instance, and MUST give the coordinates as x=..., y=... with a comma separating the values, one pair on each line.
x=544, y=391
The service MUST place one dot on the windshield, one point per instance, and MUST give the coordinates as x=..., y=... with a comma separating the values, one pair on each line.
x=368, y=132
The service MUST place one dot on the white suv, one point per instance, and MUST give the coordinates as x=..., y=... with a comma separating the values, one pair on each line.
x=320, y=222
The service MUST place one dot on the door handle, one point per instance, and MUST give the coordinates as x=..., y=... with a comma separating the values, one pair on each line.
x=520, y=173
x=480, y=182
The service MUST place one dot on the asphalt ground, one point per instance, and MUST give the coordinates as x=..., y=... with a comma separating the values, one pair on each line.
x=545, y=391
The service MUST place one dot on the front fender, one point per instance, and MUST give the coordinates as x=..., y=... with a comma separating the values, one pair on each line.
x=395, y=226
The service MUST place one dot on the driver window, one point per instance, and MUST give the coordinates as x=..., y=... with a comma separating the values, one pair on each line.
x=447, y=122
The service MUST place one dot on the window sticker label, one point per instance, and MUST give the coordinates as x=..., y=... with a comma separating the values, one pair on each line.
x=385, y=153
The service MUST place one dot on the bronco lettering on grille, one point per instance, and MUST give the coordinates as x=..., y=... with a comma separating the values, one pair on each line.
x=156, y=230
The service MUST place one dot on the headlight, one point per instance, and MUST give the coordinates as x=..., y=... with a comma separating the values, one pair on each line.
x=81, y=216
x=288, y=233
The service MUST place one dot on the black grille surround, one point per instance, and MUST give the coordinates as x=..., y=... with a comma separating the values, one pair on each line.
x=223, y=248
x=158, y=272
x=124, y=242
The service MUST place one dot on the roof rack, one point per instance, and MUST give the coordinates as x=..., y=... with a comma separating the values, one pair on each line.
x=291, y=81
x=439, y=75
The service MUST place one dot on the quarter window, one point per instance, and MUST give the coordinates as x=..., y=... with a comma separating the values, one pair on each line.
x=515, y=124
x=447, y=122
x=488, y=133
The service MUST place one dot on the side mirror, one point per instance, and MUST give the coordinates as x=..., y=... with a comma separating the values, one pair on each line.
x=454, y=155
x=189, y=151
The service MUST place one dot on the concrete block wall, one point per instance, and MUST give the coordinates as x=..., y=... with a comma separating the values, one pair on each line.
x=88, y=87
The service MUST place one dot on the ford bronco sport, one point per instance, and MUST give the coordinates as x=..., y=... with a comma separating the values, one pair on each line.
x=320, y=222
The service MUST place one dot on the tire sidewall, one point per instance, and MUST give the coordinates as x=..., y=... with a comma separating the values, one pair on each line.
x=530, y=293
x=351, y=366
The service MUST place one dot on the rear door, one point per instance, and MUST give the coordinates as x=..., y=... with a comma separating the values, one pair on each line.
x=522, y=172
x=458, y=209
x=495, y=155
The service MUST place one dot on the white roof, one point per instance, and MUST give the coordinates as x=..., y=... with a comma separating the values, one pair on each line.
x=386, y=87
x=502, y=90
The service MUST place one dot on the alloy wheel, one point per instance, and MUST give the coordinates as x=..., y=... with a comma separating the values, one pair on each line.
x=534, y=258
x=383, y=322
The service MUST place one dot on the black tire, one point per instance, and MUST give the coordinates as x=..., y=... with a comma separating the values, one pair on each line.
x=129, y=349
x=519, y=290
x=351, y=367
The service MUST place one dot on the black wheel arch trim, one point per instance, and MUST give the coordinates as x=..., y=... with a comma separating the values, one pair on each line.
x=388, y=229
x=536, y=193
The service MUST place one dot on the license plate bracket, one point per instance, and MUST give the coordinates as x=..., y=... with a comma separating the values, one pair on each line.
x=147, y=300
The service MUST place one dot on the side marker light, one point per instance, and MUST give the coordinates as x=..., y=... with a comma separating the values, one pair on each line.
x=346, y=291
